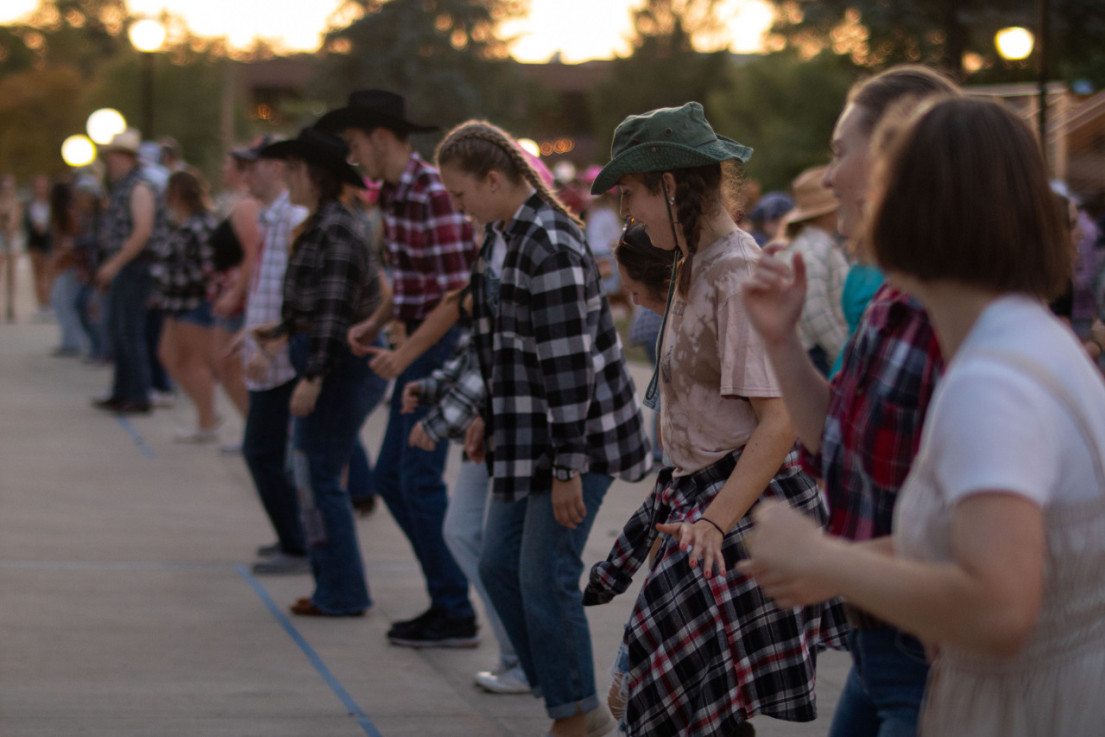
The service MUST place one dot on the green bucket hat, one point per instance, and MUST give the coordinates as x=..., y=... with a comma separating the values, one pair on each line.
x=665, y=139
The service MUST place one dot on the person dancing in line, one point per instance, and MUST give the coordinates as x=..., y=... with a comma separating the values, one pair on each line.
x=561, y=416
x=236, y=247
x=999, y=531
x=11, y=220
x=706, y=648
x=182, y=275
x=331, y=283
x=455, y=393
x=860, y=432
x=430, y=249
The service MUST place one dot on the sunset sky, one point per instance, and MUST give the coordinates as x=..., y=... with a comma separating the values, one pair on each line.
x=579, y=29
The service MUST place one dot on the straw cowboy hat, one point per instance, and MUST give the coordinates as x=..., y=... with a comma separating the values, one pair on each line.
x=811, y=198
x=127, y=141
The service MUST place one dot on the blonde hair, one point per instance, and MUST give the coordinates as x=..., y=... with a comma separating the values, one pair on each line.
x=477, y=147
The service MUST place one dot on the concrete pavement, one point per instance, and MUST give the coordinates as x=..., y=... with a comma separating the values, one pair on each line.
x=127, y=608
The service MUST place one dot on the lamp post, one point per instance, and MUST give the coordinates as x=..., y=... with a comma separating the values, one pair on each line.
x=147, y=35
x=1017, y=43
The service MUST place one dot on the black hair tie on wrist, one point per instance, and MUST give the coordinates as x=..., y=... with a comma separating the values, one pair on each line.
x=715, y=525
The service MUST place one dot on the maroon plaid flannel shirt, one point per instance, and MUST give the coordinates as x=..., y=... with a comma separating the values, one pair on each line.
x=876, y=412
x=430, y=246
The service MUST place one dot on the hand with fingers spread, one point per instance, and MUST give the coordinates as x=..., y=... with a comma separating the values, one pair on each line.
x=701, y=540
x=788, y=551
x=567, y=501
x=776, y=293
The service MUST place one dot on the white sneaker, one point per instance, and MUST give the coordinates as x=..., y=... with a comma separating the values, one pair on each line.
x=162, y=400
x=509, y=681
x=198, y=437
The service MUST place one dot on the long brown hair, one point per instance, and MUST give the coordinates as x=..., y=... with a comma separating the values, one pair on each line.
x=478, y=148
x=699, y=191
x=189, y=188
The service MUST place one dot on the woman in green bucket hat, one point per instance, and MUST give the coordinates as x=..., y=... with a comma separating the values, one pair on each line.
x=705, y=648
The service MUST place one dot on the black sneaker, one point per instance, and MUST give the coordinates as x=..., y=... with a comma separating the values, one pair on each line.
x=440, y=631
x=405, y=626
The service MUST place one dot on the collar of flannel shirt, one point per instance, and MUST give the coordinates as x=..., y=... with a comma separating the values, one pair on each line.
x=401, y=189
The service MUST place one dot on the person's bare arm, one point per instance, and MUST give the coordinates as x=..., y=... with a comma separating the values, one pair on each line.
x=773, y=299
x=142, y=211
x=761, y=459
x=391, y=363
x=362, y=335
x=247, y=229
x=986, y=599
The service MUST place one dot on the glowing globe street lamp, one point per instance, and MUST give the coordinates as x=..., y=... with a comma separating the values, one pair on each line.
x=1014, y=43
x=103, y=124
x=78, y=151
x=147, y=35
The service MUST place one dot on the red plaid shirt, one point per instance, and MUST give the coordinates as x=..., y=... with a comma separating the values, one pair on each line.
x=430, y=246
x=878, y=404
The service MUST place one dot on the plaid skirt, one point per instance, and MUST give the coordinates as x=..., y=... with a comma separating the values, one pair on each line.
x=706, y=654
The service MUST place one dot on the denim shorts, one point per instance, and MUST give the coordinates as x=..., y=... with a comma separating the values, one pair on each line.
x=231, y=324
x=200, y=315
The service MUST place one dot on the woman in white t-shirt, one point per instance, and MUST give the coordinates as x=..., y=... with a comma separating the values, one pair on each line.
x=999, y=536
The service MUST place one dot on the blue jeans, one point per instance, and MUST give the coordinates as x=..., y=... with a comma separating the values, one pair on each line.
x=88, y=301
x=130, y=291
x=463, y=530
x=882, y=696
x=411, y=482
x=63, y=298
x=323, y=442
x=531, y=566
x=265, y=448
x=361, y=480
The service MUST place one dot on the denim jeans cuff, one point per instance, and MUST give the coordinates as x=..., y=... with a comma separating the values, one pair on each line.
x=566, y=710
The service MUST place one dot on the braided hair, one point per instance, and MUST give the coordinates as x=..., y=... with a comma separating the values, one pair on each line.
x=477, y=147
x=698, y=191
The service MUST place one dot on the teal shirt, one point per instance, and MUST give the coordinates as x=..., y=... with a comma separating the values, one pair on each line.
x=860, y=285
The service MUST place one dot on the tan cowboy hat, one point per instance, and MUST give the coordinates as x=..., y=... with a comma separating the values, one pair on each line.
x=811, y=198
x=127, y=141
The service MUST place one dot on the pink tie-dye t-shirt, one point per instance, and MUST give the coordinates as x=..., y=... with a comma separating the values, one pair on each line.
x=712, y=360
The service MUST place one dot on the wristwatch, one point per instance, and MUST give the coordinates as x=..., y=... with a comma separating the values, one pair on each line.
x=564, y=474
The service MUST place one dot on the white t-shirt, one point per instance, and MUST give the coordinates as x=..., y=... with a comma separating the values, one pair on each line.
x=992, y=426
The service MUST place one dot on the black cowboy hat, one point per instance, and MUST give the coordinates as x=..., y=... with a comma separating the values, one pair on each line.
x=319, y=148
x=370, y=109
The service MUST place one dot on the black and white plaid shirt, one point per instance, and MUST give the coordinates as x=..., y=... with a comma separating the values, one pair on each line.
x=182, y=268
x=456, y=392
x=332, y=281
x=118, y=221
x=560, y=393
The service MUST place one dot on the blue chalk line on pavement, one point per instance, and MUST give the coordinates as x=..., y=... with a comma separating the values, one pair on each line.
x=129, y=428
x=331, y=681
